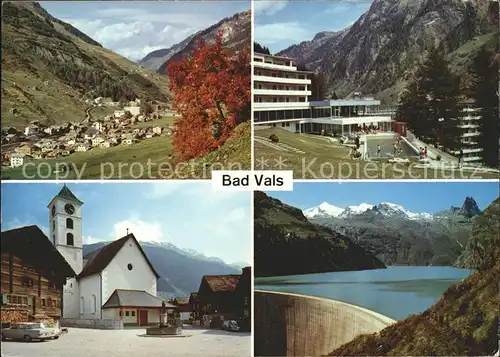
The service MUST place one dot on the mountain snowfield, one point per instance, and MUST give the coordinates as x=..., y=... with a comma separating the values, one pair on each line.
x=326, y=210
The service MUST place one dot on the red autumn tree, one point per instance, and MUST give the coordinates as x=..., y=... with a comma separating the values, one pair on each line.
x=212, y=94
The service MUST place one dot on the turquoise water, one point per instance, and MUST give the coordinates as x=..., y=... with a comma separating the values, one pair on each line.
x=396, y=292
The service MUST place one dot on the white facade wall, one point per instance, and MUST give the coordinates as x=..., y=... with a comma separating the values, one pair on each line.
x=90, y=299
x=114, y=314
x=117, y=276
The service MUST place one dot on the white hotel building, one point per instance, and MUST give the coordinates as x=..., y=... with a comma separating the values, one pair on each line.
x=281, y=98
x=469, y=123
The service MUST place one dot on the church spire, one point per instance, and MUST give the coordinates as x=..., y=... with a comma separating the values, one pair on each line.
x=67, y=194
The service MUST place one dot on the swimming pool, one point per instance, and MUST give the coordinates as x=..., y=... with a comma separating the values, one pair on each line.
x=386, y=145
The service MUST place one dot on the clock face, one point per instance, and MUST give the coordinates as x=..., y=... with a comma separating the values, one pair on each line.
x=69, y=209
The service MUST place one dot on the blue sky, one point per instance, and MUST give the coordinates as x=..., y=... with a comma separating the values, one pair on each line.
x=280, y=24
x=187, y=214
x=136, y=28
x=414, y=196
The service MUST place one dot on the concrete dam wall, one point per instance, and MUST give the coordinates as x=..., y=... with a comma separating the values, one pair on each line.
x=298, y=325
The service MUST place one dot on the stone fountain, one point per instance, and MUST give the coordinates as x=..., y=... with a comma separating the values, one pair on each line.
x=165, y=328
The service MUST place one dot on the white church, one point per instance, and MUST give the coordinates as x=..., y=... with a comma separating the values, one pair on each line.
x=115, y=285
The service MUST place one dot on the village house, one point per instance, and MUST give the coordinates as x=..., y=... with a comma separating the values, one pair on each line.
x=244, y=295
x=184, y=308
x=97, y=125
x=134, y=110
x=97, y=141
x=105, y=144
x=157, y=130
x=19, y=159
x=91, y=133
x=10, y=137
x=218, y=299
x=194, y=301
x=33, y=273
x=82, y=147
x=25, y=149
x=224, y=297
x=129, y=141
x=31, y=130
x=119, y=113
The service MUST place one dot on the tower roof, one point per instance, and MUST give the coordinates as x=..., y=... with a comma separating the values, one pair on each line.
x=67, y=194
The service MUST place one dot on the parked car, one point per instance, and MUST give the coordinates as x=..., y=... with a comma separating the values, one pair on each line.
x=230, y=325
x=28, y=331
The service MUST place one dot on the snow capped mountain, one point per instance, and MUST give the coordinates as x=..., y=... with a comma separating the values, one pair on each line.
x=323, y=210
x=185, y=251
x=392, y=210
x=387, y=209
x=355, y=210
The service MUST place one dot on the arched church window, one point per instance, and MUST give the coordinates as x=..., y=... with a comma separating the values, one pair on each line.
x=70, y=239
x=94, y=303
x=53, y=210
x=82, y=302
x=53, y=225
x=69, y=223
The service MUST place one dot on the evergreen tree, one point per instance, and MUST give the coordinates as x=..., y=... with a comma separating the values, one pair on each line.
x=430, y=103
x=257, y=48
x=485, y=94
x=443, y=91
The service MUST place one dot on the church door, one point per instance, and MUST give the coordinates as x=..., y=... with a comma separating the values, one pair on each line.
x=143, y=317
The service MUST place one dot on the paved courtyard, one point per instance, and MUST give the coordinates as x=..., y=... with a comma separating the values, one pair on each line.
x=121, y=343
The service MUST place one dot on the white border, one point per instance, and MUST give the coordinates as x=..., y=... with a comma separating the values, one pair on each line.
x=252, y=164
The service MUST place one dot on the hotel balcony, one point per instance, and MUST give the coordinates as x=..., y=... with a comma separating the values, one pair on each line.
x=471, y=135
x=472, y=158
x=469, y=126
x=278, y=67
x=279, y=105
x=281, y=92
x=283, y=80
x=468, y=151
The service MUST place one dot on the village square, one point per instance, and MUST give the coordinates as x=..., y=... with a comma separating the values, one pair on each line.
x=106, y=301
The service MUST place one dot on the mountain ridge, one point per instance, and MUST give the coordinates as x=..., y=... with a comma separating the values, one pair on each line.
x=234, y=29
x=378, y=53
x=180, y=271
x=48, y=65
x=397, y=236
x=282, y=233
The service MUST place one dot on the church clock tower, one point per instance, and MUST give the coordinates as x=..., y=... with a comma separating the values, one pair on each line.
x=65, y=222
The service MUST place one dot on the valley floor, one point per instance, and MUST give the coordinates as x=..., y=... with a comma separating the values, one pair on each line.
x=316, y=157
x=113, y=343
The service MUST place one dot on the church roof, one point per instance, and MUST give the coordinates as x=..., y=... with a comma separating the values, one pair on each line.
x=67, y=194
x=134, y=298
x=33, y=247
x=98, y=260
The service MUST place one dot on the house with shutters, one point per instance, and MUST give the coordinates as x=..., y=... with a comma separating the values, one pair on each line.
x=33, y=273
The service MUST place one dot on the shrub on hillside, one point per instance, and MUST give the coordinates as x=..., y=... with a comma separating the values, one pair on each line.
x=212, y=94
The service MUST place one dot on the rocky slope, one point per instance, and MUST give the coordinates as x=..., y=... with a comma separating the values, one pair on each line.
x=180, y=270
x=481, y=240
x=377, y=54
x=236, y=34
x=312, y=52
x=283, y=234
x=464, y=322
x=49, y=69
x=399, y=237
